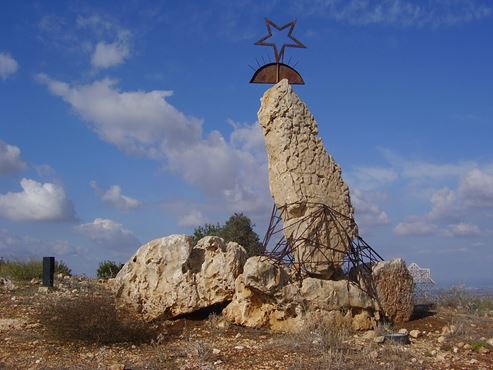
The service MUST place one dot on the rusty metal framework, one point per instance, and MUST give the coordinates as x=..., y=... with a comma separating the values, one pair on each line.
x=359, y=255
x=271, y=73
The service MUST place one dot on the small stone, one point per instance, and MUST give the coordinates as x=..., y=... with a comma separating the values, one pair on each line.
x=446, y=330
x=455, y=349
x=216, y=351
x=467, y=346
x=414, y=334
x=43, y=289
x=484, y=350
x=374, y=355
x=460, y=344
x=74, y=291
x=370, y=334
x=134, y=346
x=473, y=361
x=403, y=331
x=116, y=367
x=239, y=348
x=238, y=335
x=413, y=360
x=33, y=325
x=441, y=339
x=490, y=342
x=380, y=339
x=38, y=361
x=218, y=362
x=433, y=353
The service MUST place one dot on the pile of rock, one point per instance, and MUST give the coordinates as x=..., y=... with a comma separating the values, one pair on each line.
x=168, y=277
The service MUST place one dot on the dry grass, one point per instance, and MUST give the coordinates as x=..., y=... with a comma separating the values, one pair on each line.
x=93, y=319
x=459, y=299
x=27, y=270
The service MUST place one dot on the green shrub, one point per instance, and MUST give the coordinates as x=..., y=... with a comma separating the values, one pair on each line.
x=27, y=270
x=238, y=228
x=108, y=269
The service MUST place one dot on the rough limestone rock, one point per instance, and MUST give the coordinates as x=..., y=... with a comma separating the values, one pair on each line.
x=289, y=306
x=394, y=287
x=168, y=277
x=302, y=173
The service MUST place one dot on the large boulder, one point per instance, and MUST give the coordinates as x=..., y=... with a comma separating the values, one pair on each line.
x=287, y=306
x=169, y=276
x=303, y=177
x=394, y=288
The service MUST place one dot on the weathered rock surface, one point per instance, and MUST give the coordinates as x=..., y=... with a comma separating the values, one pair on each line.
x=302, y=175
x=289, y=306
x=168, y=277
x=394, y=286
x=6, y=285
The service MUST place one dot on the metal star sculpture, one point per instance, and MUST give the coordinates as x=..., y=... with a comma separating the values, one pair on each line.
x=274, y=72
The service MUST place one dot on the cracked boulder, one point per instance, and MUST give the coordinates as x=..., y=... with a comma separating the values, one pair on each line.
x=168, y=277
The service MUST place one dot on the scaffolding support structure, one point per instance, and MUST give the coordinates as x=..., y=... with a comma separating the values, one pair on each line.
x=356, y=254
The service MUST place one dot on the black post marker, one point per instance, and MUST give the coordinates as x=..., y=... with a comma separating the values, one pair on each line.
x=48, y=271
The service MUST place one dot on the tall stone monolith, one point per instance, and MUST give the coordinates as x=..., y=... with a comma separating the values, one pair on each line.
x=303, y=175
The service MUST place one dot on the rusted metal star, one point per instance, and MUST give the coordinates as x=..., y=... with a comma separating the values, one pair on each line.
x=280, y=54
x=274, y=72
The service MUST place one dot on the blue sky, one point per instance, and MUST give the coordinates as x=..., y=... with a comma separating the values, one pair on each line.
x=126, y=121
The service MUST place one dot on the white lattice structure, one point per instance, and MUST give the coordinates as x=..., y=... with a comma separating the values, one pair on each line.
x=423, y=283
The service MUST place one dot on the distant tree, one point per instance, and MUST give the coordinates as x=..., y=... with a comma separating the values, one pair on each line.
x=108, y=269
x=206, y=230
x=238, y=228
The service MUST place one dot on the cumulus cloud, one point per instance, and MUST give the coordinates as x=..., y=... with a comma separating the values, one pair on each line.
x=372, y=177
x=449, y=207
x=463, y=229
x=114, y=42
x=476, y=188
x=111, y=54
x=8, y=65
x=37, y=202
x=403, y=13
x=423, y=170
x=21, y=246
x=192, y=219
x=367, y=211
x=114, y=197
x=415, y=226
x=145, y=123
x=109, y=234
x=10, y=158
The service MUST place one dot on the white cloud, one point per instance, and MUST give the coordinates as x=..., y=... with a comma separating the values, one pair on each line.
x=462, y=229
x=425, y=170
x=15, y=246
x=372, y=177
x=8, y=65
x=444, y=202
x=111, y=54
x=415, y=226
x=367, y=210
x=145, y=123
x=37, y=202
x=114, y=197
x=476, y=188
x=109, y=234
x=10, y=158
x=449, y=206
x=192, y=219
x=403, y=13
